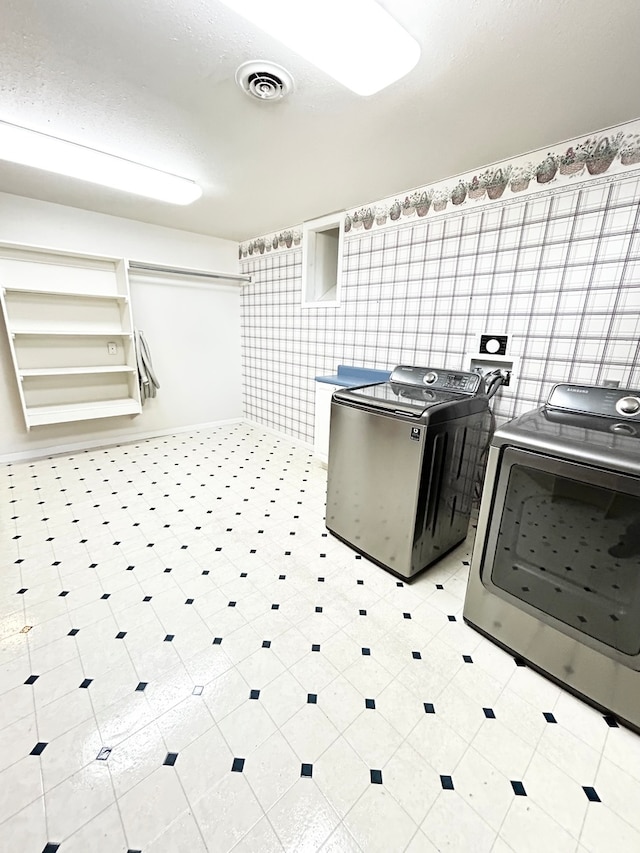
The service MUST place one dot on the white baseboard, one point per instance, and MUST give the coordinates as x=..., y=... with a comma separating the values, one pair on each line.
x=299, y=441
x=126, y=438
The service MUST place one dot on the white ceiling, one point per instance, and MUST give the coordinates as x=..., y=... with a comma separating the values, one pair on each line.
x=153, y=81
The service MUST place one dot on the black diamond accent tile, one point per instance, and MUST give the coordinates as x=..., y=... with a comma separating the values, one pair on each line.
x=362, y=612
x=169, y=638
x=518, y=789
x=141, y=686
x=439, y=586
x=22, y=591
x=231, y=604
x=266, y=644
x=320, y=580
x=50, y=847
x=171, y=759
x=32, y=679
x=370, y=704
x=73, y=632
x=467, y=658
x=105, y=596
x=312, y=698
x=447, y=783
x=429, y=708
x=592, y=794
x=406, y=616
x=306, y=770
x=282, y=577
x=315, y=647
x=166, y=571
x=121, y=635
x=64, y=593
x=147, y=598
x=238, y=765
x=255, y=694
x=86, y=682
x=360, y=582
x=489, y=713
x=366, y=651
x=189, y=601
x=520, y=662
x=38, y=749
x=416, y=655
x=275, y=607
x=376, y=777
x=130, y=568
x=217, y=641
x=133, y=851
x=243, y=574
x=549, y=717
x=318, y=609
x=451, y=618
x=399, y=583
x=104, y=753
x=206, y=572
x=611, y=721
x=197, y=690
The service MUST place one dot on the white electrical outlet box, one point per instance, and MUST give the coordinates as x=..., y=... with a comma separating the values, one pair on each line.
x=112, y=348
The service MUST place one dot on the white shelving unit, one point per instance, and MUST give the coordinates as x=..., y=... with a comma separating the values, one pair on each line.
x=68, y=317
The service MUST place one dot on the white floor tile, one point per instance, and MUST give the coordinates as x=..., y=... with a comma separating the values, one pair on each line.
x=375, y=732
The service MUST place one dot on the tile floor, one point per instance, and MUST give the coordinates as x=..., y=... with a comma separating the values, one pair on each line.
x=188, y=662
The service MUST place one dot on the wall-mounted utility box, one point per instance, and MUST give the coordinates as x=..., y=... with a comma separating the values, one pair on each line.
x=491, y=353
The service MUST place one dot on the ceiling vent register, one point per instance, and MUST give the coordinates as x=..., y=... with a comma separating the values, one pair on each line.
x=264, y=81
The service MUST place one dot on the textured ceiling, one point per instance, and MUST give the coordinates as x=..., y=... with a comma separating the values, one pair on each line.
x=153, y=81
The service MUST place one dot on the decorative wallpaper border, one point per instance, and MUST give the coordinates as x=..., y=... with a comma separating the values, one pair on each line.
x=611, y=151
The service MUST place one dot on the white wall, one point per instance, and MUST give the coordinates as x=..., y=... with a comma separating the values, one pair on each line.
x=192, y=328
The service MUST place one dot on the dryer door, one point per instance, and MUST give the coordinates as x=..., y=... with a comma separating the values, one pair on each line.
x=564, y=543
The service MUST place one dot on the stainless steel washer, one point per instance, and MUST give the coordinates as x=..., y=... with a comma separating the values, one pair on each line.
x=403, y=459
x=555, y=572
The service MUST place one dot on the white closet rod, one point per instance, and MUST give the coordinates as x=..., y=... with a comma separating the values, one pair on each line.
x=137, y=265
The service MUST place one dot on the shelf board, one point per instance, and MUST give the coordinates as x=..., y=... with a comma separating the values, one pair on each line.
x=72, y=371
x=76, y=333
x=41, y=415
x=117, y=296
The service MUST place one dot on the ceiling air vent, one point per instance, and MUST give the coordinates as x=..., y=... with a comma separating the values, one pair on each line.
x=264, y=81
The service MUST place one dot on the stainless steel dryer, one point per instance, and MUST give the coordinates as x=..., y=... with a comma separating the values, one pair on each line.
x=555, y=572
x=403, y=458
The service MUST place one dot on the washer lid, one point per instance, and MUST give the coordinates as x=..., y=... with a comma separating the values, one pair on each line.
x=411, y=400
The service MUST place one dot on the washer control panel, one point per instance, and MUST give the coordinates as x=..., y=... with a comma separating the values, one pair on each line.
x=440, y=379
x=593, y=400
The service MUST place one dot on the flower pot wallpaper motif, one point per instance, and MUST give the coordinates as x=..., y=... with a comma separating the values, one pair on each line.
x=520, y=177
x=424, y=203
x=395, y=210
x=571, y=162
x=459, y=193
x=496, y=181
x=476, y=190
x=630, y=151
x=546, y=171
x=600, y=153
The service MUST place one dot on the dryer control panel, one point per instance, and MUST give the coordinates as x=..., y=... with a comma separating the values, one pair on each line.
x=618, y=403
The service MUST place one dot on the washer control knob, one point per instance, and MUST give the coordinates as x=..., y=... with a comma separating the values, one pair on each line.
x=628, y=405
x=430, y=378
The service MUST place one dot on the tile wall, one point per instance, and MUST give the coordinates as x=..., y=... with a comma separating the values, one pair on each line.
x=558, y=271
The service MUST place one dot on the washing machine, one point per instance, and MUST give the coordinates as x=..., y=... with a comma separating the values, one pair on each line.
x=403, y=462
x=555, y=570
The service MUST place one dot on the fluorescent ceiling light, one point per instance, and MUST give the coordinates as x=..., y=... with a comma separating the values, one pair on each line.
x=354, y=41
x=29, y=148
